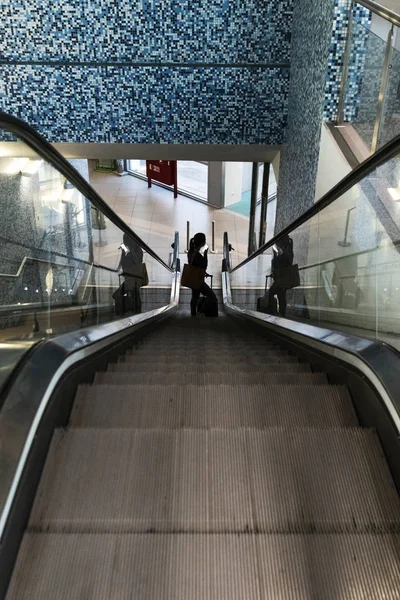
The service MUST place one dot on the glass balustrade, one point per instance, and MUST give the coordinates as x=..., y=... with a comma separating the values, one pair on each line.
x=64, y=264
x=347, y=261
x=370, y=95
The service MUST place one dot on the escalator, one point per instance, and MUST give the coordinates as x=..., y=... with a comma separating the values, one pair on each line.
x=160, y=456
x=209, y=463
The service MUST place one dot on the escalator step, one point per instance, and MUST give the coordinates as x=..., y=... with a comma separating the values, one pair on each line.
x=242, y=368
x=199, y=354
x=212, y=406
x=213, y=343
x=274, y=364
x=272, y=481
x=185, y=379
x=206, y=567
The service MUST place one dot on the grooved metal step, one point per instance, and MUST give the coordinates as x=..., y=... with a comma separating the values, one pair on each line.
x=210, y=407
x=166, y=344
x=272, y=364
x=209, y=464
x=199, y=567
x=273, y=481
x=224, y=378
x=199, y=354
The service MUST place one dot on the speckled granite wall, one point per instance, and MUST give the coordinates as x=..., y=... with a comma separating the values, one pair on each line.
x=35, y=227
x=147, y=71
x=312, y=28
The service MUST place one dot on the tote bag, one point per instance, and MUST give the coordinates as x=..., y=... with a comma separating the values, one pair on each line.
x=287, y=277
x=192, y=277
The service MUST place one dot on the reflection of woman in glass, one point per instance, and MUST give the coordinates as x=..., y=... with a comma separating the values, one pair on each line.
x=131, y=265
x=283, y=258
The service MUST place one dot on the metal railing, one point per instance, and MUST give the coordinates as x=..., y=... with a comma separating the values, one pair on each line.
x=29, y=259
x=382, y=11
x=394, y=19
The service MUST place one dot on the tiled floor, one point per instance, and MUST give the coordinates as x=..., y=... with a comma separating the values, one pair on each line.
x=155, y=215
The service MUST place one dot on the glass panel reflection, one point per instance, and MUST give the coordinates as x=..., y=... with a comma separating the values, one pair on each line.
x=340, y=269
x=64, y=265
x=391, y=116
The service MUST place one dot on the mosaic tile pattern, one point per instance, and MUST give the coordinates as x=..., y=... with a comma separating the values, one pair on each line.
x=312, y=27
x=149, y=104
x=359, y=50
x=74, y=102
x=143, y=30
x=336, y=55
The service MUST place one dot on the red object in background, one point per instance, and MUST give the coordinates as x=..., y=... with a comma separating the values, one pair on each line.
x=164, y=171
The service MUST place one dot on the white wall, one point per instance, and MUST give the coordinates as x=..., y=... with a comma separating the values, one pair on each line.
x=233, y=182
x=332, y=166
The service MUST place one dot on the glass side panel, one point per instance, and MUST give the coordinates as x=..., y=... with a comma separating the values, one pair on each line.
x=137, y=166
x=391, y=116
x=193, y=178
x=64, y=265
x=362, y=90
x=384, y=191
x=340, y=269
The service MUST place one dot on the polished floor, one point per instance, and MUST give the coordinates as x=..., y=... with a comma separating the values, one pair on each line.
x=155, y=215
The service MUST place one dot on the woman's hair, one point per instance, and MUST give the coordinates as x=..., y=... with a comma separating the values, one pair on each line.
x=197, y=241
x=129, y=242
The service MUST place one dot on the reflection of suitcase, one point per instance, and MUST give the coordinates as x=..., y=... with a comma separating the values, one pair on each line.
x=262, y=302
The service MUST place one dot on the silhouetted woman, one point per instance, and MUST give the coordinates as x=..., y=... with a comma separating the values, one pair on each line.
x=197, y=256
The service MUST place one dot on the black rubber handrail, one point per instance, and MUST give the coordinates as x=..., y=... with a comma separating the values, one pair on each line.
x=390, y=150
x=44, y=149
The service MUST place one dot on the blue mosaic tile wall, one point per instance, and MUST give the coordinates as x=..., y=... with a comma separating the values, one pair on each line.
x=237, y=94
x=359, y=49
x=151, y=105
x=312, y=27
x=336, y=55
x=178, y=30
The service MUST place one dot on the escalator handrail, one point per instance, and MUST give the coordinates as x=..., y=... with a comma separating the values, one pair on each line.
x=175, y=255
x=44, y=149
x=387, y=152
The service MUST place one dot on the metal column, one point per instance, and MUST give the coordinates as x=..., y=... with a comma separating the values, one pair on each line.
x=254, y=180
x=264, y=203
